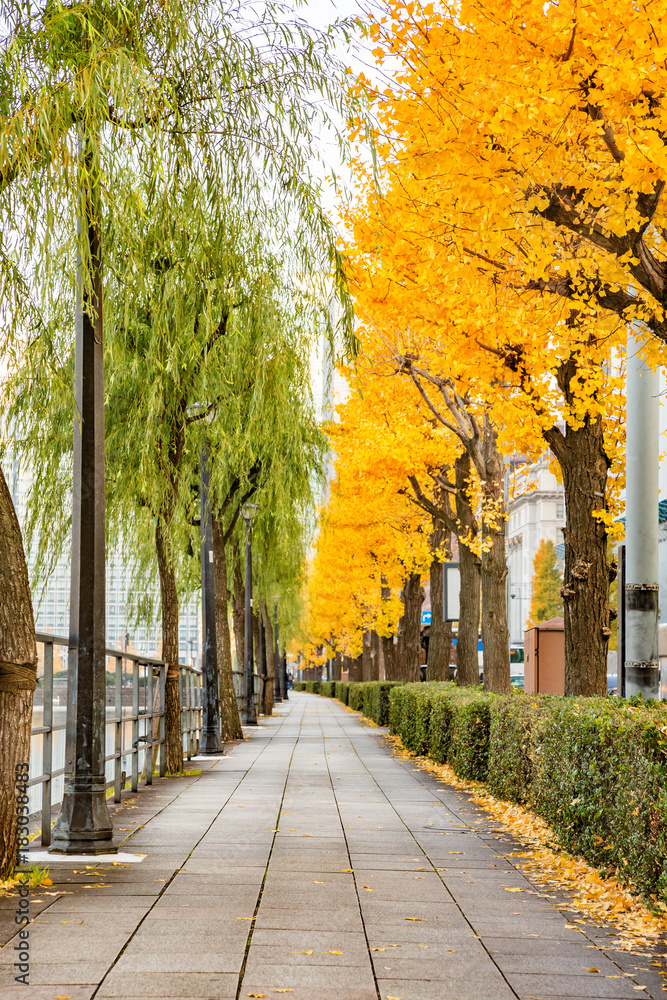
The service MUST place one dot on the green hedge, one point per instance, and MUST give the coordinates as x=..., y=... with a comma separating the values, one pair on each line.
x=299, y=685
x=371, y=698
x=341, y=691
x=327, y=689
x=594, y=768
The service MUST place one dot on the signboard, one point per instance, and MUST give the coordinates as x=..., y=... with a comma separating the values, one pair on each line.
x=426, y=617
x=451, y=589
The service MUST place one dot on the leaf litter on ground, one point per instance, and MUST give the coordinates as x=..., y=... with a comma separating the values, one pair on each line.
x=597, y=897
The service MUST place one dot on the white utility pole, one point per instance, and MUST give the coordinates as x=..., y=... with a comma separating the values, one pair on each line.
x=642, y=672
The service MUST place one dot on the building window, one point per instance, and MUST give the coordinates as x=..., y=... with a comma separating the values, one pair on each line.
x=560, y=511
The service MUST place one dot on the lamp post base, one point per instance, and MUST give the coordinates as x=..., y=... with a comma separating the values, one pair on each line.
x=84, y=826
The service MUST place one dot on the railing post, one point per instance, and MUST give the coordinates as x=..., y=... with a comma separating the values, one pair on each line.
x=47, y=743
x=135, y=726
x=118, y=732
x=163, y=679
x=148, y=742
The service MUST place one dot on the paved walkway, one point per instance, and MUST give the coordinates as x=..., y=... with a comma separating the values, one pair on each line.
x=311, y=862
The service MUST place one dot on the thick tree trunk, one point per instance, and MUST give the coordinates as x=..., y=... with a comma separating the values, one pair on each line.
x=238, y=617
x=169, y=598
x=467, y=669
x=355, y=667
x=337, y=667
x=230, y=723
x=269, y=653
x=18, y=673
x=257, y=658
x=370, y=656
x=495, y=633
x=409, y=646
x=440, y=641
x=585, y=466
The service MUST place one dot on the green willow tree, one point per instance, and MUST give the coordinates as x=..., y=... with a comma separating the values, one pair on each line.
x=173, y=87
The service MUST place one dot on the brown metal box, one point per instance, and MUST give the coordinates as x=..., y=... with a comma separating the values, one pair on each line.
x=544, y=658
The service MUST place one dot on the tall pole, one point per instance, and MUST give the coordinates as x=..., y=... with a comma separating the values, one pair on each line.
x=277, y=685
x=84, y=825
x=249, y=716
x=210, y=737
x=642, y=674
x=285, y=680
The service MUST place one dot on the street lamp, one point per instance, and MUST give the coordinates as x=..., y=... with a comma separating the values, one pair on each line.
x=210, y=737
x=249, y=511
x=84, y=825
x=277, y=696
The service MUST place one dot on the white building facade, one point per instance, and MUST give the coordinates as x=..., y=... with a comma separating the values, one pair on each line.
x=536, y=512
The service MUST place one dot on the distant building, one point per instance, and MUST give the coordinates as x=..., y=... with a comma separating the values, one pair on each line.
x=537, y=511
x=51, y=603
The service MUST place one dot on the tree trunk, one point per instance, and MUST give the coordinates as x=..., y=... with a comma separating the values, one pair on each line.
x=238, y=616
x=18, y=679
x=440, y=642
x=467, y=669
x=338, y=666
x=172, y=707
x=355, y=667
x=269, y=653
x=585, y=466
x=409, y=646
x=369, y=656
x=495, y=633
x=230, y=723
x=257, y=659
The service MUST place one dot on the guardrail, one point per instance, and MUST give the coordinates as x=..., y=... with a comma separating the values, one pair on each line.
x=135, y=705
x=238, y=678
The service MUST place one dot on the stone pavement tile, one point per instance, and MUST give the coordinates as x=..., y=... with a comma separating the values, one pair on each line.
x=85, y=902
x=309, y=952
x=445, y=989
x=195, y=960
x=282, y=918
x=220, y=986
x=222, y=872
x=383, y=934
x=302, y=899
x=260, y=978
x=324, y=992
x=74, y=973
x=391, y=910
x=576, y=964
x=572, y=986
x=16, y=991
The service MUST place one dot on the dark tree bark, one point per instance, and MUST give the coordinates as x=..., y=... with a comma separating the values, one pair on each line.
x=230, y=723
x=440, y=641
x=270, y=660
x=257, y=658
x=409, y=646
x=238, y=616
x=355, y=667
x=495, y=633
x=584, y=465
x=467, y=669
x=370, y=656
x=18, y=678
x=337, y=667
x=172, y=708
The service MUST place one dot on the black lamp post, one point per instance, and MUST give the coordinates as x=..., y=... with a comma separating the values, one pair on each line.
x=249, y=716
x=210, y=738
x=277, y=668
x=84, y=825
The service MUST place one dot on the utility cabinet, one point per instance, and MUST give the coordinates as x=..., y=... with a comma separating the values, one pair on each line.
x=544, y=658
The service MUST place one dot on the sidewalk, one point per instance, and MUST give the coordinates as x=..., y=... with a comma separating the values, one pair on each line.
x=304, y=863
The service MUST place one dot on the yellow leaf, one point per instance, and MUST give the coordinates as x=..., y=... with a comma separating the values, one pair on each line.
x=317, y=883
x=416, y=918
x=256, y=994
x=46, y=881
x=512, y=890
x=592, y=970
x=335, y=952
x=307, y=952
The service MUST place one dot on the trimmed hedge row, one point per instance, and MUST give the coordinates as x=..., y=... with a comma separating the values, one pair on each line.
x=594, y=768
x=369, y=697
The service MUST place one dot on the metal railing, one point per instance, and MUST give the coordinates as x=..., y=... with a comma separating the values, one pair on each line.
x=238, y=677
x=135, y=722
